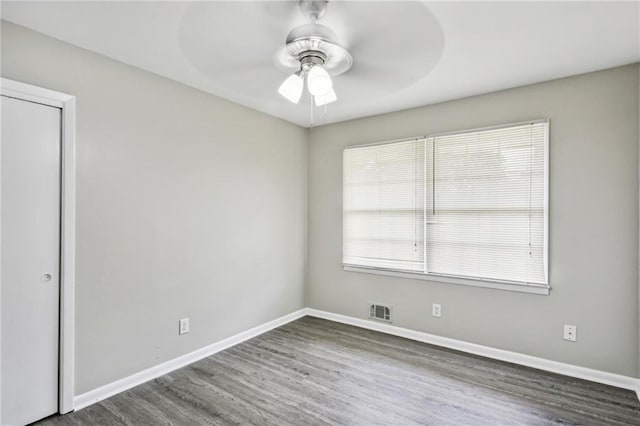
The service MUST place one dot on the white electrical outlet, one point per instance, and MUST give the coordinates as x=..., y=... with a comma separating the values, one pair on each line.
x=183, y=327
x=570, y=332
x=436, y=310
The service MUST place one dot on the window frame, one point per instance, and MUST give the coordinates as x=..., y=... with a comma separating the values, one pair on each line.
x=518, y=286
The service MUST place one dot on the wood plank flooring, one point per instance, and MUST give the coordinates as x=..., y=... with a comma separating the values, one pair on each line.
x=318, y=372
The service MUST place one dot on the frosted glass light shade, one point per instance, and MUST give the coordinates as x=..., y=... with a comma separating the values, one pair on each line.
x=326, y=99
x=318, y=81
x=292, y=87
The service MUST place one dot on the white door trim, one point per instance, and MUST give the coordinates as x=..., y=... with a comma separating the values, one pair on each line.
x=67, y=103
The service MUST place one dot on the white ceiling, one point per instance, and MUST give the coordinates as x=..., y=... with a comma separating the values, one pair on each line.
x=406, y=54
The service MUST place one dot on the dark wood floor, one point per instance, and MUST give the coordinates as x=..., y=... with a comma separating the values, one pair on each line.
x=317, y=372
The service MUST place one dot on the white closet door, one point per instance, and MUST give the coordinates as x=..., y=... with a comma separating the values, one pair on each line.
x=30, y=260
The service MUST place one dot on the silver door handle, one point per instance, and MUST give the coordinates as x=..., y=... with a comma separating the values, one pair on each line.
x=45, y=278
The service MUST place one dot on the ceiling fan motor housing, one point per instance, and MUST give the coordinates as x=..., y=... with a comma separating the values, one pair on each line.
x=316, y=44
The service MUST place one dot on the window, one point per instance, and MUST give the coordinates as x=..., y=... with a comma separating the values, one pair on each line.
x=384, y=206
x=469, y=204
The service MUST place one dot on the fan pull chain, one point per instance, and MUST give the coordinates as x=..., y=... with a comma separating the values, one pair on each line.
x=311, y=110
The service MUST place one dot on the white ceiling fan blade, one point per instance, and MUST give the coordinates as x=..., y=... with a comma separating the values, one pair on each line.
x=394, y=45
x=219, y=26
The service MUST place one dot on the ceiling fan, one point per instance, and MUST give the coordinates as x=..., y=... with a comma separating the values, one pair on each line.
x=314, y=48
x=372, y=51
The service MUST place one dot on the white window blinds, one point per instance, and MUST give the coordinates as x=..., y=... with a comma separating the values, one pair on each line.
x=486, y=204
x=469, y=204
x=383, y=220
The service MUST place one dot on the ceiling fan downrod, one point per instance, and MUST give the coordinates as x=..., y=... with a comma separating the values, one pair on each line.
x=313, y=9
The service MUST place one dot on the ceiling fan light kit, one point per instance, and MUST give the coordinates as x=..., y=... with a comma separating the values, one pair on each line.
x=314, y=50
x=318, y=81
x=326, y=99
x=292, y=87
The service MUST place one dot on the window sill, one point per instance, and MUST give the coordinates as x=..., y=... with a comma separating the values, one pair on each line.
x=499, y=285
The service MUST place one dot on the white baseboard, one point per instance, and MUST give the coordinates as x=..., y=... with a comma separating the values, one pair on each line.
x=93, y=396
x=598, y=376
x=103, y=392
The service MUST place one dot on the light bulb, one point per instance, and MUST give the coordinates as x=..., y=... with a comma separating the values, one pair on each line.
x=326, y=99
x=291, y=88
x=318, y=81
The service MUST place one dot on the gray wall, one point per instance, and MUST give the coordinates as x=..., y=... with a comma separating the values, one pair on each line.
x=593, y=225
x=187, y=206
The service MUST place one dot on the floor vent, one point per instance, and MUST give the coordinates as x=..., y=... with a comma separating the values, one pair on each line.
x=380, y=312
